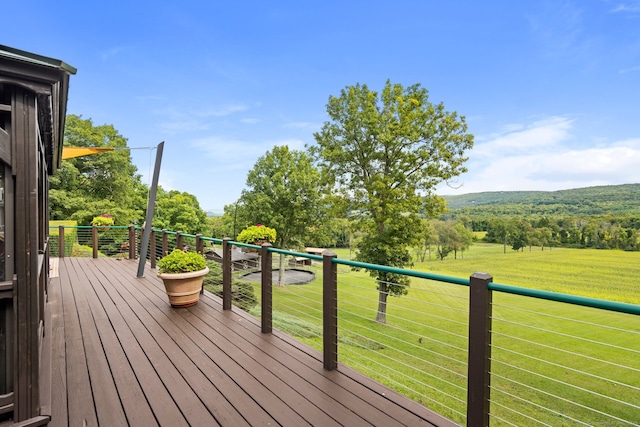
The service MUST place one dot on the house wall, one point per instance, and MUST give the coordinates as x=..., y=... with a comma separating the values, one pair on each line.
x=32, y=109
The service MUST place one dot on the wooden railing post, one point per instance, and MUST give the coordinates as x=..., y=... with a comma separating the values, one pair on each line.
x=152, y=248
x=61, y=241
x=200, y=250
x=479, y=356
x=330, y=311
x=226, y=274
x=199, y=244
x=179, y=244
x=165, y=243
x=266, y=288
x=132, y=242
x=94, y=241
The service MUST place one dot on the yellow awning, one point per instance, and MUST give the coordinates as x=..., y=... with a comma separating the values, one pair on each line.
x=71, y=152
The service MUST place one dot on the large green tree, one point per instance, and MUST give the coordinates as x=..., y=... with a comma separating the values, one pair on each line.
x=84, y=187
x=179, y=211
x=283, y=191
x=386, y=152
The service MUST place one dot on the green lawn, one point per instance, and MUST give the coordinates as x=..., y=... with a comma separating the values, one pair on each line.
x=541, y=350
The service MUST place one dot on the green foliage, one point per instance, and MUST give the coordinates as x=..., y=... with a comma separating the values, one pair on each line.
x=385, y=153
x=284, y=191
x=84, y=187
x=590, y=232
x=179, y=211
x=104, y=220
x=218, y=228
x=242, y=293
x=180, y=261
x=256, y=233
x=600, y=200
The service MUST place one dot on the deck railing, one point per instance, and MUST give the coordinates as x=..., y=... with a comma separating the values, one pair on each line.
x=477, y=352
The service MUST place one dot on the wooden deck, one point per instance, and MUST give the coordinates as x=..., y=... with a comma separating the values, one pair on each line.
x=120, y=355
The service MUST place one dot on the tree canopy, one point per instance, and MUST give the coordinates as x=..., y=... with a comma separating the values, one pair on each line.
x=179, y=211
x=385, y=153
x=84, y=187
x=284, y=192
x=108, y=183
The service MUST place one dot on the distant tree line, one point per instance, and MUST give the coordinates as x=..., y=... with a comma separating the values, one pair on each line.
x=598, y=232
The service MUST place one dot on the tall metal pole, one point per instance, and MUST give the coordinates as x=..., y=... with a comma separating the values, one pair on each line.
x=146, y=233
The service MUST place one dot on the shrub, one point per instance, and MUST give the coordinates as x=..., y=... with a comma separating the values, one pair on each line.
x=257, y=233
x=180, y=261
x=104, y=220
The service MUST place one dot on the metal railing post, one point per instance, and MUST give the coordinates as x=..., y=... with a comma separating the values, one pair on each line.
x=266, y=289
x=329, y=311
x=479, y=356
x=61, y=241
x=152, y=248
x=226, y=274
x=94, y=241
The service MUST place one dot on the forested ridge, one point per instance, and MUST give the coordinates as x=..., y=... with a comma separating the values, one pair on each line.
x=603, y=217
x=601, y=200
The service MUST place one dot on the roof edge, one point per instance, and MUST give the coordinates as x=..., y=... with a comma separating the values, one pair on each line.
x=33, y=58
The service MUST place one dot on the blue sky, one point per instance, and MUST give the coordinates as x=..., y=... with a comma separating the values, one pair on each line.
x=550, y=89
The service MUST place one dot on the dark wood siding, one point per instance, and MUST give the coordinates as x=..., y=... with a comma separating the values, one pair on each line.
x=32, y=110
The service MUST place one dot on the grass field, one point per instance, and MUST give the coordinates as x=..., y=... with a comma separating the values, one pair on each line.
x=552, y=362
x=604, y=274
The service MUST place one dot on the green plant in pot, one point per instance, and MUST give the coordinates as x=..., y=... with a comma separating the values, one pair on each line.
x=103, y=221
x=257, y=235
x=182, y=273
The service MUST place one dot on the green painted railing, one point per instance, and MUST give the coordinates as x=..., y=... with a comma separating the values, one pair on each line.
x=480, y=314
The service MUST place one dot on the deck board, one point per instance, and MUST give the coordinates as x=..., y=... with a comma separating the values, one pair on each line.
x=122, y=356
x=80, y=404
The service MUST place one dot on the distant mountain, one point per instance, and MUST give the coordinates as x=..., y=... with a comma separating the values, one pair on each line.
x=601, y=200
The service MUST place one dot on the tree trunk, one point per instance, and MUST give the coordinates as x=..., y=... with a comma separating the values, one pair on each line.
x=381, y=317
x=281, y=271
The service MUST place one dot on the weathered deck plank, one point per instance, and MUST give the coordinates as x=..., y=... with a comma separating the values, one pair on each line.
x=80, y=404
x=122, y=356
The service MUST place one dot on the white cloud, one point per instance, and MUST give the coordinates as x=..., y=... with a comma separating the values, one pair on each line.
x=630, y=70
x=541, y=158
x=222, y=111
x=232, y=154
x=176, y=120
x=111, y=52
x=541, y=135
x=632, y=6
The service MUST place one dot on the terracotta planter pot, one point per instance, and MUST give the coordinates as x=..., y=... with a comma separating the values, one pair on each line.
x=259, y=243
x=183, y=289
